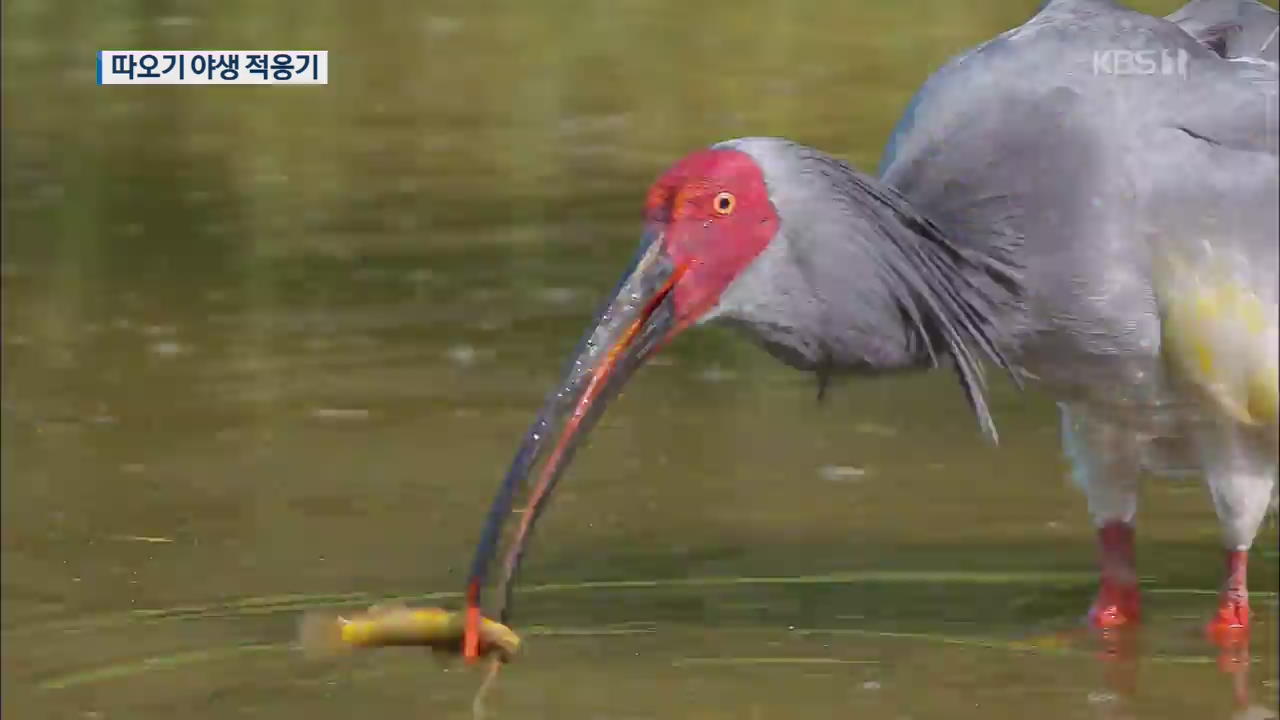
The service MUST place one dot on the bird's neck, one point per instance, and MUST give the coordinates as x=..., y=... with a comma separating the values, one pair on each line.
x=897, y=292
x=858, y=280
x=953, y=302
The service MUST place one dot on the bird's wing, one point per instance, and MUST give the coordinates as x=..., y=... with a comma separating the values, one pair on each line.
x=1210, y=217
x=1232, y=28
x=1064, y=141
x=1208, y=184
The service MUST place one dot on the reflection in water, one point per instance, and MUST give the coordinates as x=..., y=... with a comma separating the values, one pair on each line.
x=267, y=350
x=1121, y=657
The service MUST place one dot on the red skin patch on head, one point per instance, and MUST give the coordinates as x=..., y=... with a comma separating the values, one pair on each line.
x=688, y=205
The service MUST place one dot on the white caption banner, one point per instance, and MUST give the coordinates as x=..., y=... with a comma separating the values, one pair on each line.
x=213, y=67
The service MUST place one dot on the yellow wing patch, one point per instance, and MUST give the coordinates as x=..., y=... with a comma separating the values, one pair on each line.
x=1221, y=334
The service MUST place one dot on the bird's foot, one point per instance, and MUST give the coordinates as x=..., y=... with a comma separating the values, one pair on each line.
x=1117, y=605
x=1230, y=625
x=1229, y=631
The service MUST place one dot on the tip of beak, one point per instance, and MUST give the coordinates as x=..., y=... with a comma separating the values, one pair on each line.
x=471, y=629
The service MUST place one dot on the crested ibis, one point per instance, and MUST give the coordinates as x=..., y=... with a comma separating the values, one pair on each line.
x=1048, y=204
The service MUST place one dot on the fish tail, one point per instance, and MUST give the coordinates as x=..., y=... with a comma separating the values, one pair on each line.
x=320, y=635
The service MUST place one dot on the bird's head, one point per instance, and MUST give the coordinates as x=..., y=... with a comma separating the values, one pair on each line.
x=706, y=220
x=710, y=221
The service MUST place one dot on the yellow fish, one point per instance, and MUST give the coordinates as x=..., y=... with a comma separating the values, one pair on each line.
x=395, y=624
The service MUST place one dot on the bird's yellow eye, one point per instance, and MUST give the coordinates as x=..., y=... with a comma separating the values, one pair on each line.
x=724, y=203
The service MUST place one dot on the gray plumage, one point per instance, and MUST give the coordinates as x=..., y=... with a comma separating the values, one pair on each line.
x=1088, y=200
x=1232, y=28
x=858, y=280
x=1079, y=175
x=1031, y=144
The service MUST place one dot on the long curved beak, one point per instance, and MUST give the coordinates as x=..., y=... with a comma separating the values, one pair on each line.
x=637, y=320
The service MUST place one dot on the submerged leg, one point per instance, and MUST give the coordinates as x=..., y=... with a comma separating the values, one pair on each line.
x=1105, y=464
x=1117, y=602
x=1233, y=604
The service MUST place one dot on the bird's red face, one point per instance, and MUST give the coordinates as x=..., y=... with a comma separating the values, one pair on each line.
x=712, y=216
x=706, y=219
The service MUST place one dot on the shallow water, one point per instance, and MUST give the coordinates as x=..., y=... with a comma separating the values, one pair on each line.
x=268, y=350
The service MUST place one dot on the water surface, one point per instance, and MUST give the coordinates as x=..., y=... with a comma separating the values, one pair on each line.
x=270, y=349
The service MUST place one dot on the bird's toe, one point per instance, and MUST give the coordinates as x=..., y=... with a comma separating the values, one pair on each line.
x=1115, y=606
x=1230, y=624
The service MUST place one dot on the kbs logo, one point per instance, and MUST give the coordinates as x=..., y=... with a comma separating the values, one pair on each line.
x=1140, y=62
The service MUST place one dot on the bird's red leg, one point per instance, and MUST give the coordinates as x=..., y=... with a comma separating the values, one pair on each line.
x=1116, y=604
x=1229, y=628
x=1230, y=625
